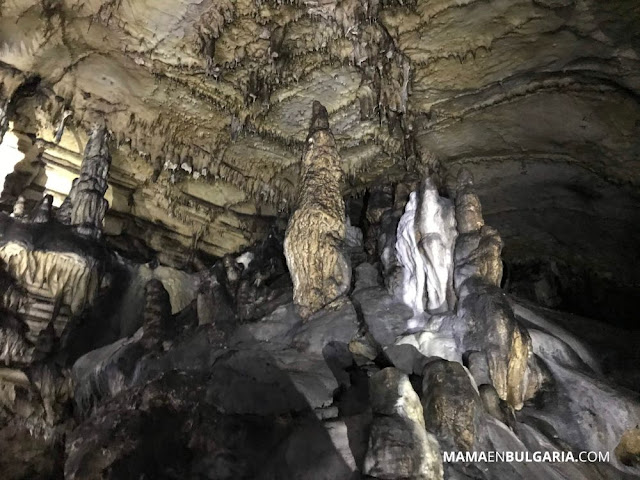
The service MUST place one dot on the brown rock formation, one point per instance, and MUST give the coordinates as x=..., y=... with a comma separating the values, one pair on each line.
x=489, y=322
x=451, y=405
x=628, y=450
x=316, y=230
x=399, y=446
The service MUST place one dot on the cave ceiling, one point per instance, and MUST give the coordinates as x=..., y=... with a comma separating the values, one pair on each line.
x=208, y=103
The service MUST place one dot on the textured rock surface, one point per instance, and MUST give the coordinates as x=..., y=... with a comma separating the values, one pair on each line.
x=209, y=106
x=86, y=204
x=399, y=445
x=210, y=372
x=451, y=404
x=424, y=248
x=314, y=242
x=628, y=450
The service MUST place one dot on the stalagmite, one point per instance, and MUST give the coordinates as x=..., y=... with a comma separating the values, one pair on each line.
x=157, y=311
x=399, y=445
x=479, y=247
x=424, y=248
x=437, y=236
x=489, y=324
x=18, y=208
x=42, y=212
x=88, y=205
x=316, y=231
x=4, y=116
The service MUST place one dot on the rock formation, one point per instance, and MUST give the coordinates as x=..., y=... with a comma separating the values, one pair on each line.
x=425, y=241
x=435, y=253
x=164, y=337
x=314, y=240
x=399, y=445
x=478, y=248
x=10, y=80
x=489, y=322
x=85, y=205
x=451, y=405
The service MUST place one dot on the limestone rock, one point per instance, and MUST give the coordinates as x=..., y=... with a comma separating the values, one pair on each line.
x=4, y=117
x=42, y=211
x=468, y=208
x=327, y=327
x=436, y=227
x=411, y=287
x=88, y=205
x=478, y=367
x=491, y=328
x=385, y=317
x=424, y=248
x=406, y=358
x=452, y=407
x=399, y=445
x=478, y=256
x=628, y=450
x=479, y=247
x=156, y=314
x=367, y=276
x=494, y=406
x=316, y=231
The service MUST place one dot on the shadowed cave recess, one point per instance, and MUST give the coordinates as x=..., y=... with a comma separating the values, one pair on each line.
x=320, y=239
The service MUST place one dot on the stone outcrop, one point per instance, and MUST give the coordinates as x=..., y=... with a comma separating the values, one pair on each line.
x=205, y=370
x=10, y=80
x=451, y=405
x=399, y=445
x=628, y=450
x=479, y=247
x=313, y=243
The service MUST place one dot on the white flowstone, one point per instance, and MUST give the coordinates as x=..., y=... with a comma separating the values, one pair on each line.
x=437, y=232
x=411, y=289
x=424, y=248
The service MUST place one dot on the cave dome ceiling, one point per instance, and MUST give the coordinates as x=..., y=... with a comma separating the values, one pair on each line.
x=208, y=104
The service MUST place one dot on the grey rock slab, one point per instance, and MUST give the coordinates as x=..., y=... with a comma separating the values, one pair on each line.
x=385, y=317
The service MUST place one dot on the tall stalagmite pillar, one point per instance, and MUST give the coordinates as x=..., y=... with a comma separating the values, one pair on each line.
x=4, y=116
x=316, y=231
x=85, y=206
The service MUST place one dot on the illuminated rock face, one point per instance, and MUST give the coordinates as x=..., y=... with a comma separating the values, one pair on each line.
x=399, y=445
x=439, y=247
x=425, y=242
x=85, y=206
x=315, y=235
x=490, y=325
